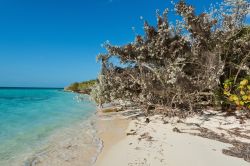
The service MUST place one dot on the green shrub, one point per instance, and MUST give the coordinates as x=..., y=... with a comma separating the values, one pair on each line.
x=73, y=87
x=238, y=94
x=180, y=66
x=82, y=86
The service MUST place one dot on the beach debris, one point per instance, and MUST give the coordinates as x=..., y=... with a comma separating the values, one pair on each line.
x=69, y=147
x=109, y=110
x=131, y=133
x=165, y=122
x=145, y=136
x=176, y=130
x=179, y=121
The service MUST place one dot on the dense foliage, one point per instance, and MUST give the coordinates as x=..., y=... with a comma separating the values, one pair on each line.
x=238, y=94
x=183, y=66
x=82, y=87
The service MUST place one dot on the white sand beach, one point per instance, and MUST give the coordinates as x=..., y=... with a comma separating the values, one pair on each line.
x=157, y=144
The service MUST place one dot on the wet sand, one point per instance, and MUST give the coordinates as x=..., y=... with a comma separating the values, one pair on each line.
x=111, y=132
x=75, y=146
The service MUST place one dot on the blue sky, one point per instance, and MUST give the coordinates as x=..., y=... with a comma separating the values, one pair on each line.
x=51, y=43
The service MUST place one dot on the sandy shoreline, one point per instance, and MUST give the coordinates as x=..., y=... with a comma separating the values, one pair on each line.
x=112, y=131
x=159, y=142
x=126, y=139
x=76, y=145
x=80, y=145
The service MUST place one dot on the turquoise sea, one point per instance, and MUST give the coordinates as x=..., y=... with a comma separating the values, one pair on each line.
x=29, y=117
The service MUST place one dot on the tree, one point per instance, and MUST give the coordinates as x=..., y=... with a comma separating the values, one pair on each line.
x=174, y=69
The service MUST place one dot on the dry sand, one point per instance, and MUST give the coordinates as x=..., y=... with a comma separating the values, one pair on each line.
x=156, y=144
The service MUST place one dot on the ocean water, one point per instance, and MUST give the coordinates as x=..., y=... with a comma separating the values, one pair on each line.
x=29, y=118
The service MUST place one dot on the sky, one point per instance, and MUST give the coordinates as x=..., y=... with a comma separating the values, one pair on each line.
x=52, y=43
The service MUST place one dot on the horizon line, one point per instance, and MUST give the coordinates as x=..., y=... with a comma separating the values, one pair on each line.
x=24, y=87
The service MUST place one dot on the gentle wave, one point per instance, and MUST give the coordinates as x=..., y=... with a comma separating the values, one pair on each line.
x=30, y=117
x=81, y=136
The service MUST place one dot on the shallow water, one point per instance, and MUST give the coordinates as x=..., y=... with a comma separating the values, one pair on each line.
x=29, y=118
